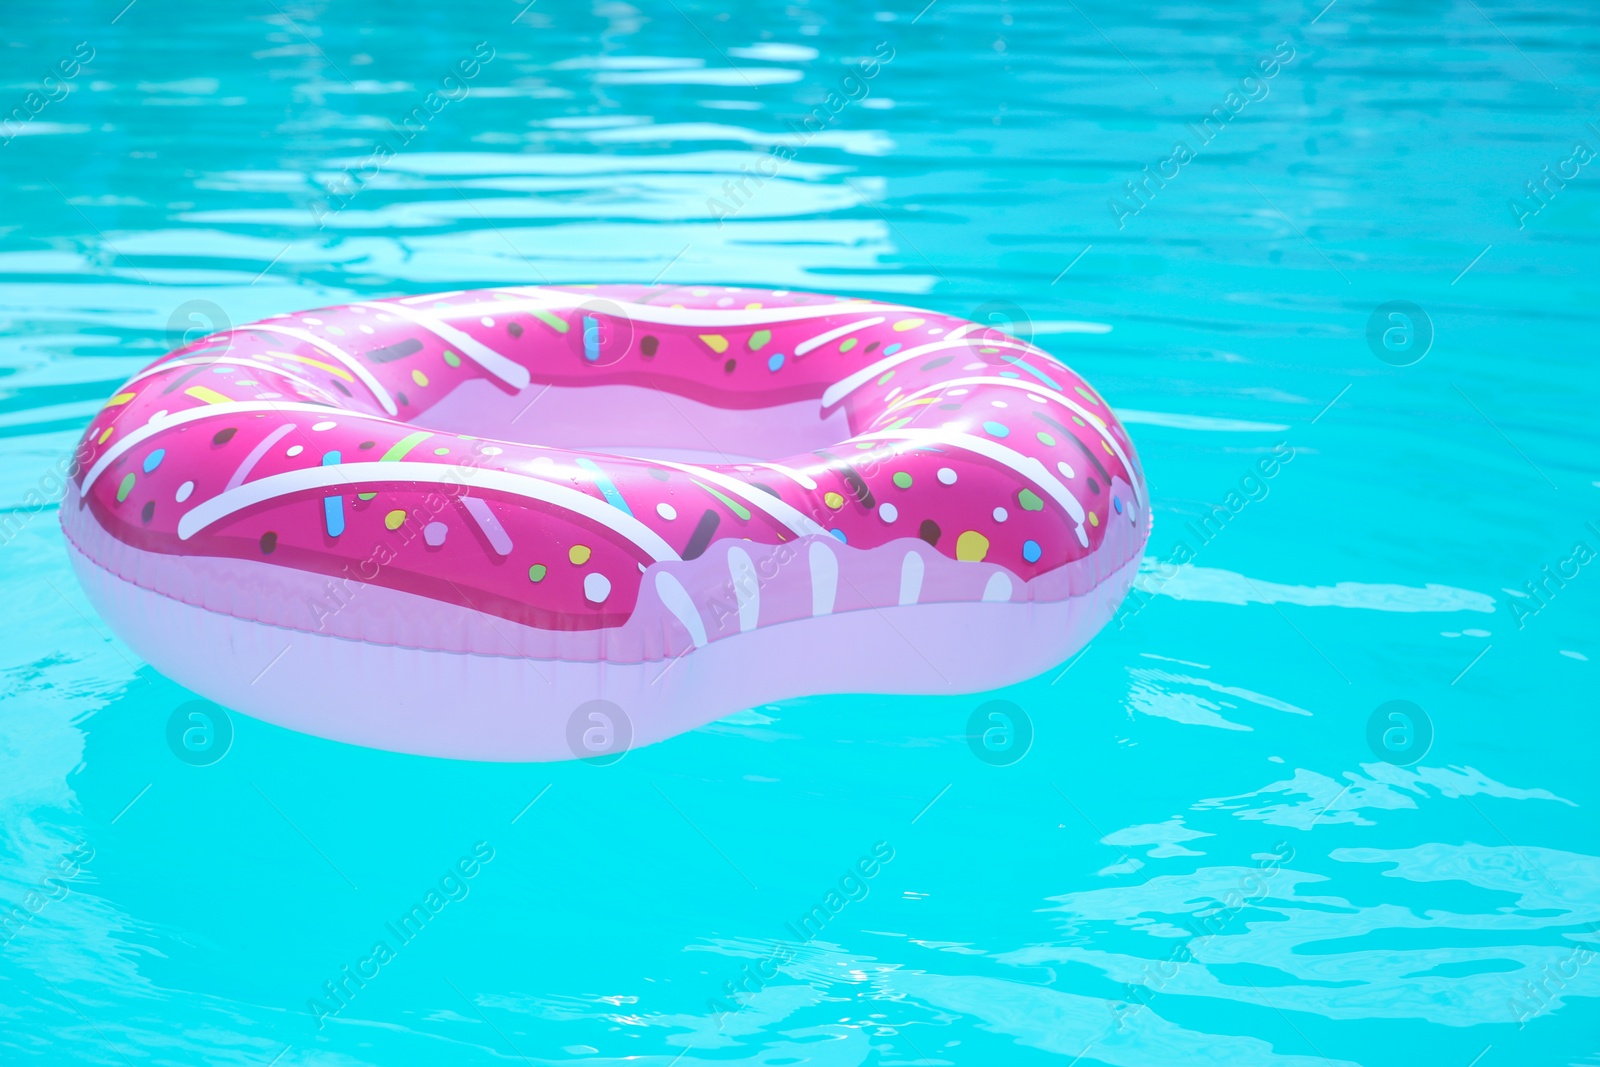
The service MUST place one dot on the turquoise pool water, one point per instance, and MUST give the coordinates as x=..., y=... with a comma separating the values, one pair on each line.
x=1225, y=844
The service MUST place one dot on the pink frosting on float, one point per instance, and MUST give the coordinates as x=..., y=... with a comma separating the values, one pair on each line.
x=317, y=444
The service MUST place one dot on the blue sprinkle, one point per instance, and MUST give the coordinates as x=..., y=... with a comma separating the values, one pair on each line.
x=1009, y=374
x=1117, y=501
x=891, y=350
x=775, y=364
x=221, y=370
x=996, y=429
x=153, y=460
x=1031, y=551
x=840, y=535
x=332, y=506
x=591, y=338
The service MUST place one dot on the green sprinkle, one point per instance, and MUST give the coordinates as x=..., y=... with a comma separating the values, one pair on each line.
x=537, y=572
x=1030, y=500
x=902, y=479
x=404, y=445
x=365, y=496
x=441, y=451
x=847, y=344
x=551, y=321
x=733, y=506
x=1045, y=439
x=759, y=338
x=885, y=376
x=451, y=358
x=125, y=488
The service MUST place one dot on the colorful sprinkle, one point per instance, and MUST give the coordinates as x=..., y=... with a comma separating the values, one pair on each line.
x=1116, y=502
x=902, y=479
x=1094, y=520
x=908, y=324
x=775, y=362
x=596, y=587
x=579, y=554
x=489, y=523
x=551, y=321
x=399, y=449
x=971, y=547
x=946, y=476
x=591, y=338
x=537, y=572
x=269, y=542
x=847, y=344
x=420, y=378
x=647, y=346
x=759, y=339
x=1031, y=551
x=210, y=396
x=1045, y=439
x=434, y=534
x=833, y=500
x=451, y=359
x=996, y=429
x=153, y=460
x=666, y=511
x=716, y=342
x=1030, y=500
x=929, y=531
x=1000, y=515
x=105, y=435
x=395, y=519
x=441, y=451
x=183, y=492
x=332, y=506
x=603, y=482
x=125, y=487
x=888, y=512
x=120, y=399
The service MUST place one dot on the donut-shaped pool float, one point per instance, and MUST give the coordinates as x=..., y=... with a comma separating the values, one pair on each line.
x=552, y=522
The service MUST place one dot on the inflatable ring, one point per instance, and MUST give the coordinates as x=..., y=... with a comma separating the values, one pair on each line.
x=545, y=523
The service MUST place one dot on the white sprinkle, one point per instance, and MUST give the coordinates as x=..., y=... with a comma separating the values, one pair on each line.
x=999, y=514
x=1066, y=471
x=596, y=587
x=997, y=403
x=434, y=533
x=491, y=450
x=309, y=321
x=975, y=366
x=666, y=511
x=366, y=329
x=295, y=450
x=888, y=512
x=326, y=424
x=936, y=330
x=184, y=490
x=487, y=321
x=947, y=476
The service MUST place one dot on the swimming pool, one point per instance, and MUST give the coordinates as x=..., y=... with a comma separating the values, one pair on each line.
x=1320, y=794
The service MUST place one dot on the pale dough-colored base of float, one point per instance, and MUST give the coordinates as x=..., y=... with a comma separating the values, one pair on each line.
x=477, y=707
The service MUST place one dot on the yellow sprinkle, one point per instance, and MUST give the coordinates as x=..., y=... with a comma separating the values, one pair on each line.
x=395, y=519
x=418, y=377
x=908, y=324
x=210, y=396
x=579, y=554
x=120, y=399
x=715, y=341
x=751, y=307
x=1106, y=447
x=972, y=546
x=106, y=436
x=833, y=500
x=338, y=372
x=1094, y=520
